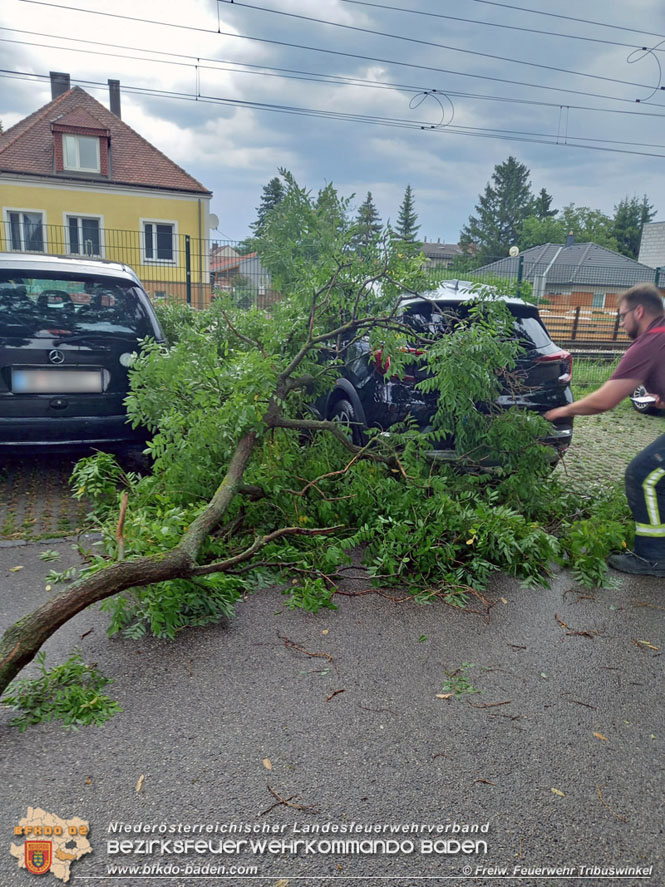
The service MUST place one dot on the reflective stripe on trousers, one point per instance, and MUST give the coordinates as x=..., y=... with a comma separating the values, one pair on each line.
x=645, y=491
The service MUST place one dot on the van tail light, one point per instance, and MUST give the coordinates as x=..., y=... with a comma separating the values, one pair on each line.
x=566, y=361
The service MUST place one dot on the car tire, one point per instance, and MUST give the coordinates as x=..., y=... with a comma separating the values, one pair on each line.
x=646, y=409
x=344, y=413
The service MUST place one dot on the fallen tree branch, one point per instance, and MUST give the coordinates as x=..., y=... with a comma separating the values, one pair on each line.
x=23, y=640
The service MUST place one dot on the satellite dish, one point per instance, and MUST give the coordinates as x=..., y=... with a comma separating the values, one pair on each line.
x=213, y=221
x=513, y=251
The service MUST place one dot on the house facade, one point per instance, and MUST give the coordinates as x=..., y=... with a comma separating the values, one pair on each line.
x=76, y=180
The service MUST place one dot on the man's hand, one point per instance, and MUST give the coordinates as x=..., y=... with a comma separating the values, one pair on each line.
x=560, y=413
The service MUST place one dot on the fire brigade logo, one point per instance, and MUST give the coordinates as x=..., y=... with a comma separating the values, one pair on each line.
x=46, y=842
x=38, y=856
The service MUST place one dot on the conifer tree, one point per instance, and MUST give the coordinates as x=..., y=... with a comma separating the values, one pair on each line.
x=501, y=209
x=367, y=222
x=406, y=228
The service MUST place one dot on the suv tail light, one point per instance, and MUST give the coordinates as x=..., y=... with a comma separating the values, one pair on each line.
x=382, y=366
x=566, y=361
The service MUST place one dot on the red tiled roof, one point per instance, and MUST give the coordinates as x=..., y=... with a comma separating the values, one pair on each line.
x=225, y=263
x=27, y=147
x=79, y=118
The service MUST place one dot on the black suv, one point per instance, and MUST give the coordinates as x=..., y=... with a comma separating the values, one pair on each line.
x=364, y=397
x=69, y=329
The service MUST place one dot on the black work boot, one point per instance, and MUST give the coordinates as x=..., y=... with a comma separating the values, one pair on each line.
x=629, y=562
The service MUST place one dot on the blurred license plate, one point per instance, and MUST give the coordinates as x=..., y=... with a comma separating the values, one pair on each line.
x=56, y=381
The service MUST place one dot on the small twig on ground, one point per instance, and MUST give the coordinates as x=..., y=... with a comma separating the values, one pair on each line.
x=86, y=633
x=577, y=701
x=395, y=600
x=119, y=538
x=582, y=634
x=334, y=693
x=288, y=802
x=378, y=710
x=605, y=804
x=491, y=704
x=293, y=645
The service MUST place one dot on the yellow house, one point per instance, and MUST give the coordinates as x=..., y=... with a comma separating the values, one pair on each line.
x=76, y=180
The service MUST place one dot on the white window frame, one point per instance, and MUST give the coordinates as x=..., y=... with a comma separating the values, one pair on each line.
x=595, y=296
x=77, y=167
x=66, y=216
x=8, y=234
x=155, y=261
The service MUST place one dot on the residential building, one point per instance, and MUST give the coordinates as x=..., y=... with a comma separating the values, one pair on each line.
x=441, y=255
x=242, y=275
x=574, y=274
x=652, y=245
x=76, y=180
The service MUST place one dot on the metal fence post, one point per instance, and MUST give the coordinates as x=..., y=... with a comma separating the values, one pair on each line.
x=615, y=332
x=520, y=272
x=188, y=268
x=576, y=322
x=657, y=276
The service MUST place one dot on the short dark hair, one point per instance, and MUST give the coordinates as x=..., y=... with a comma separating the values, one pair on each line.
x=646, y=295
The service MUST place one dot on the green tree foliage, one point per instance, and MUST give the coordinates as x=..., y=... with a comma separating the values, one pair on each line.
x=500, y=211
x=585, y=224
x=367, y=223
x=406, y=228
x=630, y=215
x=250, y=487
x=70, y=693
x=588, y=225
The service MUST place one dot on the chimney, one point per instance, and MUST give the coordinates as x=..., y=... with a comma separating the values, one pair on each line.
x=570, y=239
x=59, y=83
x=114, y=97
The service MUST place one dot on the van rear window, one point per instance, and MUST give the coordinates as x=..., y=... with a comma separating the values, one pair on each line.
x=70, y=305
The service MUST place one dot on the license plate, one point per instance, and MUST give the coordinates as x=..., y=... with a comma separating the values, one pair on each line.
x=56, y=381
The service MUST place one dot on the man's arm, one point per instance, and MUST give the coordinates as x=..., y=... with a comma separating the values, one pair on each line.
x=605, y=398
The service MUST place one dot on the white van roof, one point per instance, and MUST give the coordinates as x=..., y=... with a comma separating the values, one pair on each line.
x=35, y=264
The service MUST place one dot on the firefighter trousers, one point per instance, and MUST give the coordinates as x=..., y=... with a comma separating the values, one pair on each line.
x=645, y=491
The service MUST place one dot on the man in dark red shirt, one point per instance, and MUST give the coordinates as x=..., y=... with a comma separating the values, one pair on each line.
x=641, y=312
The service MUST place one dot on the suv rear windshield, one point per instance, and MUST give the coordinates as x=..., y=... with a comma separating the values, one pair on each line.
x=435, y=319
x=66, y=305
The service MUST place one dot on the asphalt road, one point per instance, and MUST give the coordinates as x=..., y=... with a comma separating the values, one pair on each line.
x=560, y=755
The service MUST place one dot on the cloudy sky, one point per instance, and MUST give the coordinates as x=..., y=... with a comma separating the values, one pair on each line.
x=371, y=96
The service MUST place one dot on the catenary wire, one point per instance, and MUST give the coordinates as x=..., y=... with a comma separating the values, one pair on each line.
x=290, y=73
x=340, y=53
x=569, y=18
x=473, y=21
x=477, y=132
x=419, y=42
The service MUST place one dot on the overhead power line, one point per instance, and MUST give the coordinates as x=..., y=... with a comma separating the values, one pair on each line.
x=366, y=58
x=476, y=132
x=419, y=42
x=570, y=18
x=474, y=21
x=289, y=73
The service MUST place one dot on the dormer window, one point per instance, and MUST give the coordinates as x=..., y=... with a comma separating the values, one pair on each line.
x=81, y=153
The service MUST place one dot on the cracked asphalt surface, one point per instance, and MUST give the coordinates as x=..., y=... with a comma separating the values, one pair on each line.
x=560, y=753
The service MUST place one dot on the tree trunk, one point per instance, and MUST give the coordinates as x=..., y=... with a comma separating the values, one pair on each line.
x=21, y=641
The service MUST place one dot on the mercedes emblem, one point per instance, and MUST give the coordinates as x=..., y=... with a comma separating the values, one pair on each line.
x=56, y=356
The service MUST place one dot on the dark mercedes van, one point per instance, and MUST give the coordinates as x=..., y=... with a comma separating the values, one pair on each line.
x=69, y=330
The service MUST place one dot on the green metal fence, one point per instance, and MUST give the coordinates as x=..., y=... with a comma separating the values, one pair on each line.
x=578, y=301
